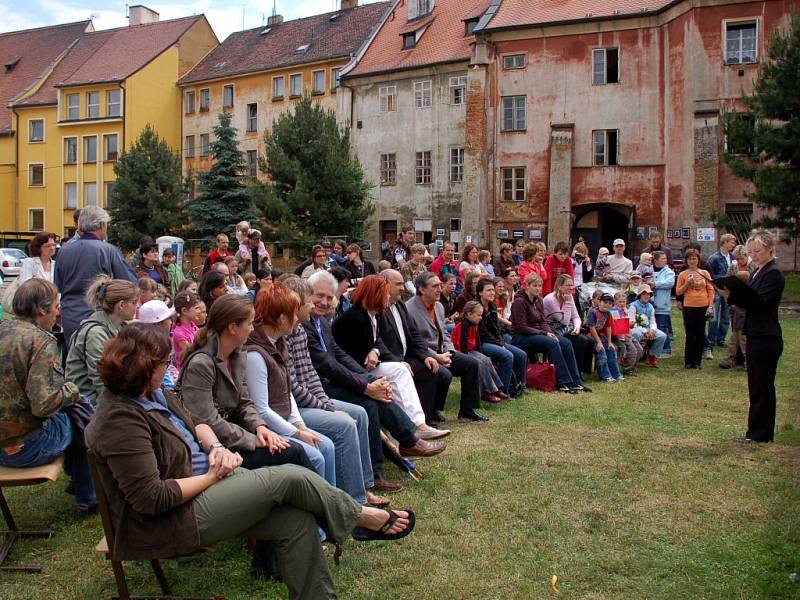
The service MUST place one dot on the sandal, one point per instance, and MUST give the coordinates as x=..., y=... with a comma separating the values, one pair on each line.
x=377, y=501
x=362, y=534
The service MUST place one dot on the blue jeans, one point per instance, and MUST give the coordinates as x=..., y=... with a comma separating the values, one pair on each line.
x=323, y=458
x=511, y=360
x=349, y=435
x=606, y=359
x=54, y=439
x=559, y=352
x=658, y=342
x=718, y=327
x=664, y=323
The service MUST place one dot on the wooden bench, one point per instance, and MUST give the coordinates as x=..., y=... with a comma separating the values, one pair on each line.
x=106, y=545
x=14, y=477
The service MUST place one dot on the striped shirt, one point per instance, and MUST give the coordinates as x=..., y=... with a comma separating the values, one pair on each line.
x=306, y=385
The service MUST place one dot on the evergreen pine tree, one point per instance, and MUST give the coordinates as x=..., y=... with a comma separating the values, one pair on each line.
x=148, y=198
x=763, y=145
x=223, y=197
x=314, y=187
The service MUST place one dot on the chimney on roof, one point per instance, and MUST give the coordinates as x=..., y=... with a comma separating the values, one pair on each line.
x=349, y=4
x=274, y=20
x=140, y=14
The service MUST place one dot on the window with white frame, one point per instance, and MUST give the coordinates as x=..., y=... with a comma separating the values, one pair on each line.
x=36, y=130
x=70, y=195
x=741, y=42
x=513, y=184
x=110, y=147
x=387, y=95
x=36, y=219
x=36, y=174
x=605, y=66
x=388, y=169
x=252, y=117
x=70, y=150
x=90, y=149
x=295, y=84
x=114, y=103
x=513, y=113
x=423, y=92
x=252, y=163
x=73, y=107
x=335, y=74
x=205, y=145
x=90, y=193
x=422, y=170
x=514, y=61
x=318, y=82
x=189, y=108
x=605, y=147
x=189, y=146
x=456, y=165
x=227, y=96
x=458, y=89
x=205, y=99
x=92, y=105
x=277, y=87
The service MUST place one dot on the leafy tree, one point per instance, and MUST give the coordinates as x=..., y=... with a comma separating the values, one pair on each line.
x=148, y=198
x=764, y=144
x=315, y=188
x=223, y=197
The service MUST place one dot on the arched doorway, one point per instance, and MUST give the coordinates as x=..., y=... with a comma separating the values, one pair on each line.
x=600, y=224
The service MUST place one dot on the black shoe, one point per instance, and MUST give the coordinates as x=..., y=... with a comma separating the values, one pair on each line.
x=86, y=509
x=264, y=564
x=567, y=389
x=438, y=416
x=583, y=388
x=471, y=415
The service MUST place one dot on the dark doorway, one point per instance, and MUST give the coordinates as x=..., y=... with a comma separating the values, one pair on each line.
x=599, y=225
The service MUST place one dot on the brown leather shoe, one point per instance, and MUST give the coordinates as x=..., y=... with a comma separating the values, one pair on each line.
x=424, y=448
x=384, y=485
x=377, y=501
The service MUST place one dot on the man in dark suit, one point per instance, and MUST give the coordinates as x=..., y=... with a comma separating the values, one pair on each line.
x=426, y=314
x=404, y=343
x=764, y=344
x=344, y=379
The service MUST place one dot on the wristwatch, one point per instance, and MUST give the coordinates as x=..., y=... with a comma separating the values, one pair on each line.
x=214, y=446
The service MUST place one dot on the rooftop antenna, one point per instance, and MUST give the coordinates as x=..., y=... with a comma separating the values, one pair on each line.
x=274, y=8
x=127, y=12
x=242, y=17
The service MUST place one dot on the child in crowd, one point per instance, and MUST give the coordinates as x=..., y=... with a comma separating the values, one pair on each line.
x=236, y=284
x=188, y=285
x=645, y=267
x=191, y=312
x=631, y=350
x=599, y=322
x=647, y=327
x=383, y=265
x=741, y=266
x=663, y=280
x=635, y=285
x=173, y=270
x=250, y=280
x=156, y=312
x=601, y=266
x=162, y=293
x=485, y=259
x=148, y=290
x=413, y=267
x=558, y=263
x=242, y=230
x=466, y=339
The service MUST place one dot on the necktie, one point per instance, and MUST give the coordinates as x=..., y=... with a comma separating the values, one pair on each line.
x=319, y=333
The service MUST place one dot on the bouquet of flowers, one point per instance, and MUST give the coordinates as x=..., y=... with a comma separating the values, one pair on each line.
x=642, y=320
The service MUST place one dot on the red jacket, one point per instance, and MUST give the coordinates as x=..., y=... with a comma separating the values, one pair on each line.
x=554, y=268
x=465, y=337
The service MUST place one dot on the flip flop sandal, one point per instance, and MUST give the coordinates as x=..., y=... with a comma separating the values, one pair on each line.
x=362, y=534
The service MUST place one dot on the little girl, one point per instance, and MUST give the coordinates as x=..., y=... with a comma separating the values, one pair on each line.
x=148, y=290
x=188, y=285
x=242, y=229
x=466, y=339
x=191, y=313
x=628, y=343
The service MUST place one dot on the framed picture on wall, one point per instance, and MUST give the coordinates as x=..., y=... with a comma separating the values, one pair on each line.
x=502, y=234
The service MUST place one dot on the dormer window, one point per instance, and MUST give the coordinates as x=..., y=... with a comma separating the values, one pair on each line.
x=409, y=40
x=419, y=8
x=469, y=26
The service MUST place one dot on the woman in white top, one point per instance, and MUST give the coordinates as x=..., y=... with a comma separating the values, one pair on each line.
x=40, y=264
x=470, y=262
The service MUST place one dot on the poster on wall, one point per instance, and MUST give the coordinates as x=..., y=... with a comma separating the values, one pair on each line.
x=685, y=233
x=440, y=232
x=640, y=233
x=669, y=234
x=706, y=234
x=651, y=231
x=518, y=234
x=535, y=234
x=502, y=234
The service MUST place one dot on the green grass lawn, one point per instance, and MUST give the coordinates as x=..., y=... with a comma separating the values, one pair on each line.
x=635, y=491
x=792, y=290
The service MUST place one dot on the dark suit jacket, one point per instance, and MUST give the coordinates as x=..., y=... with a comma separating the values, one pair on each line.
x=761, y=318
x=334, y=364
x=387, y=328
x=353, y=332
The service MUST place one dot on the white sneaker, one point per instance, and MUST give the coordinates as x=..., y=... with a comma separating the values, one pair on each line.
x=610, y=380
x=708, y=354
x=620, y=378
x=666, y=354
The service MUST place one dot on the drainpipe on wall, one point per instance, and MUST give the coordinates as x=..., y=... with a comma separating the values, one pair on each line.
x=16, y=170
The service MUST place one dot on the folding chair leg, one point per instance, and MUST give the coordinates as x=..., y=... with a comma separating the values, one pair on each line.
x=12, y=535
x=162, y=579
x=122, y=583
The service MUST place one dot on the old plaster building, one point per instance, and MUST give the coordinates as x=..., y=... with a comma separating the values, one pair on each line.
x=260, y=73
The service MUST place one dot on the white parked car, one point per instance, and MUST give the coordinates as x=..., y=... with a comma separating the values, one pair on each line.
x=11, y=261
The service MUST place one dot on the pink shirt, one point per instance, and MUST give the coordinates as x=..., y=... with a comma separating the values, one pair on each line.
x=183, y=332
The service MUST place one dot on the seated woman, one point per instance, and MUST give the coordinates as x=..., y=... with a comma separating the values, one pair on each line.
x=532, y=333
x=356, y=332
x=319, y=262
x=173, y=487
x=213, y=285
x=35, y=428
x=469, y=293
x=115, y=301
x=356, y=265
x=269, y=382
x=560, y=308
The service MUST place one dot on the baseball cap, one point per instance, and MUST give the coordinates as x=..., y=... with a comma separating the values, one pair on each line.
x=604, y=298
x=619, y=242
x=155, y=311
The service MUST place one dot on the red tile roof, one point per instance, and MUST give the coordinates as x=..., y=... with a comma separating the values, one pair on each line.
x=111, y=55
x=444, y=40
x=521, y=13
x=30, y=54
x=327, y=38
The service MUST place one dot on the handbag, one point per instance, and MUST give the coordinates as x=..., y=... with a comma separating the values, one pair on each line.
x=541, y=376
x=560, y=328
x=620, y=326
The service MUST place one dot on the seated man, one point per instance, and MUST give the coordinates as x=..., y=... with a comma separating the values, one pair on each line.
x=343, y=378
x=427, y=315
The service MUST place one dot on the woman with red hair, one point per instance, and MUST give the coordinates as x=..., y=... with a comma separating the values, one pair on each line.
x=356, y=332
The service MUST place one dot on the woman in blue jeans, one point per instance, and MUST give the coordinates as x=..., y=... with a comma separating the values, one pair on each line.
x=510, y=358
x=532, y=333
x=34, y=427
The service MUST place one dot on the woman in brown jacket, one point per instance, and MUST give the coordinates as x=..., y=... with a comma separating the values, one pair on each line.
x=173, y=487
